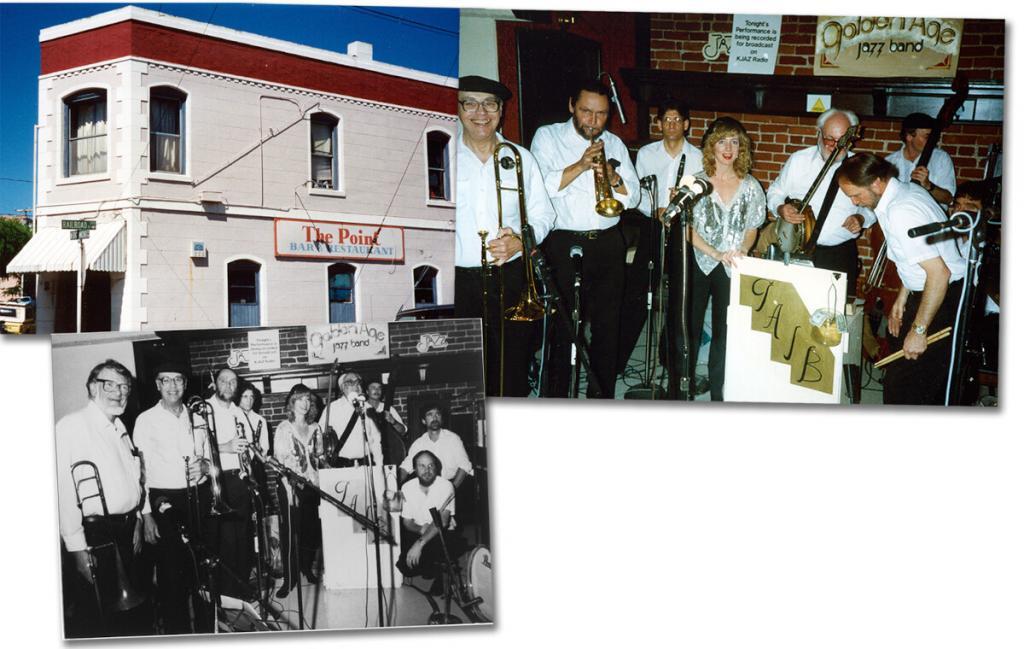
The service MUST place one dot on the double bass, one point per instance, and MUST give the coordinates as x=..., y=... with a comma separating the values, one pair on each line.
x=883, y=283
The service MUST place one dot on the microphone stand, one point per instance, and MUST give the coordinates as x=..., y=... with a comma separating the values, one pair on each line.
x=375, y=511
x=449, y=576
x=647, y=389
x=965, y=310
x=680, y=381
x=577, y=283
x=543, y=271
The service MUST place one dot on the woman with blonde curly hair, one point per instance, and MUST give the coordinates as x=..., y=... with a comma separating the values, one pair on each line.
x=723, y=229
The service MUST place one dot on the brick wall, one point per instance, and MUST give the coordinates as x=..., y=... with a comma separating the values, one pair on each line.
x=676, y=43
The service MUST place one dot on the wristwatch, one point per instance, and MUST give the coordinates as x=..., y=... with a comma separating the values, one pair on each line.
x=920, y=329
x=617, y=183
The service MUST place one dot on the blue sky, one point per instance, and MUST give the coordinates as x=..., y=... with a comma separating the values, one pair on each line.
x=420, y=38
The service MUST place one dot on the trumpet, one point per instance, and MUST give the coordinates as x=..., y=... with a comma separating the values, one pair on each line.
x=203, y=411
x=607, y=204
x=111, y=586
x=528, y=308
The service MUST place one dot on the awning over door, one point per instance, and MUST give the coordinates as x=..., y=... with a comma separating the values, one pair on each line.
x=51, y=250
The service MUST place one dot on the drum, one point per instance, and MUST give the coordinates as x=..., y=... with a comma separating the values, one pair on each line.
x=478, y=578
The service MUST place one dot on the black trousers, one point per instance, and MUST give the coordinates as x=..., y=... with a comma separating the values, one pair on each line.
x=431, y=558
x=305, y=517
x=841, y=258
x=601, y=297
x=519, y=336
x=716, y=288
x=922, y=381
x=230, y=537
x=177, y=566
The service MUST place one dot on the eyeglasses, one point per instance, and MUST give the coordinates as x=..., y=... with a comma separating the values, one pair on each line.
x=168, y=381
x=489, y=105
x=829, y=140
x=113, y=387
x=672, y=120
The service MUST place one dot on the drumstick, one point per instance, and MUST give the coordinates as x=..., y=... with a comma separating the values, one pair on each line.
x=895, y=356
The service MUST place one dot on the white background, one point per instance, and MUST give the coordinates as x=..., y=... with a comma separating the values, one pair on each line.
x=699, y=526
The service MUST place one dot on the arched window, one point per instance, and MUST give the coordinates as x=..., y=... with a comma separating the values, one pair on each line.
x=323, y=151
x=424, y=285
x=341, y=292
x=438, y=166
x=244, y=293
x=85, y=133
x=167, y=130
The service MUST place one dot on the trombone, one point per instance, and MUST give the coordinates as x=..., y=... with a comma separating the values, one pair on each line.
x=198, y=408
x=114, y=592
x=528, y=308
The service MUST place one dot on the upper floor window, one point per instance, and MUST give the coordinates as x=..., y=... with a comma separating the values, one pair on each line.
x=438, y=166
x=341, y=296
x=323, y=133
x=244, y=293
x=85, y=133
x=424, y=285
x=167, y=130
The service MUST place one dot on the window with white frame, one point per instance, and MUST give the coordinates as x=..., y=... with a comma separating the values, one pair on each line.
x=438, y=166
x=323, y=151
x=244, y=293
x=85, y=133
x=424, y=286
x=167, y=130
x=341, y=294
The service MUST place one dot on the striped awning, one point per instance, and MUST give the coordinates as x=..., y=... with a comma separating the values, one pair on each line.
x=51, y=250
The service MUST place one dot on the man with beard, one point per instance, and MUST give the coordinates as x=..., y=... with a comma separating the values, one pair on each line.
x=231, y=534
x=837, y=242
x=568, y=155
x=95, y=434
x=931, y=272
x=174, y=464
x=444, y=444
x=939, y=177
x=355, y=448
x=421, y=548
x=481, y=106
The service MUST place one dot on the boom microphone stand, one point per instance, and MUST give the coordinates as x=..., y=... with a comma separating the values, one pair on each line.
x=543, y=271
x=648, y=389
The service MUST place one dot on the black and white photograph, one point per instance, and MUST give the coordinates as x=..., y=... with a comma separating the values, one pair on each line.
x=255, y=479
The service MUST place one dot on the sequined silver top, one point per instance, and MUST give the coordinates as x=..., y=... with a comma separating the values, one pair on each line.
x=722, y=226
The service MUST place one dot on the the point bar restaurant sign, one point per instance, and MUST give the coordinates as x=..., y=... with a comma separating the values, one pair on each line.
x=885, y=46
x=333, y=240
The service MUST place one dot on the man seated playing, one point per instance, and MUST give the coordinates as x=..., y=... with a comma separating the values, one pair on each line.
x=421, y=546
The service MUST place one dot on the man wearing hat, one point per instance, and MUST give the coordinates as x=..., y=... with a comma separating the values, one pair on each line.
x=938, y=178
x=173, y=464
x=481, y=108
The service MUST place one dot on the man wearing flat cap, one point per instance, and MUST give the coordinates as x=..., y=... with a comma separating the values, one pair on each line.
x=481, y=108
x=938, y=178
x=173, y=464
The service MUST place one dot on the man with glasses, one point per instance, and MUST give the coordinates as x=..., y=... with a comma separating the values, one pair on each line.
x=481, y=108
x=568, y=155
x=95, y=434
x=357, y=446
x=837, y=242
x=174, y=464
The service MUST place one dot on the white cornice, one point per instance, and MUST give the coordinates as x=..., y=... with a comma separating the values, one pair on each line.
x=213, y=31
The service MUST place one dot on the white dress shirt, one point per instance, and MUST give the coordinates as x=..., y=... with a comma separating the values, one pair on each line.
x=476, y=201
x=164, y=441
x=557, y=146
x=417, y=502
x=341, y=411
x=448, y=448
x=940, y=168
x=904, y=206
x=87, y=434
x=795, y=180
x=224, y=419
x=653, y=159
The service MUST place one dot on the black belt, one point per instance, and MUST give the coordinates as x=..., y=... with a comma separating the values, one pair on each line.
x=951, y=287
x=346, y=462
x=589, y=235
x=168, y=492
x=845, y=244
x=114, y=519
x=231, y=471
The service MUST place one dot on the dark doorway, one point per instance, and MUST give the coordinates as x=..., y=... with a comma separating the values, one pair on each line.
x=551, y=63
x=95, y=302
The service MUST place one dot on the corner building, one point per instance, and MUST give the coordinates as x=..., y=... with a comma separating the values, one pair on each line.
x=235, y=179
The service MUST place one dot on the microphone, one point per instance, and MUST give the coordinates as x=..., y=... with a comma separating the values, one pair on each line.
x=576, y=255
x=689, y=190
x=615, y=97
x=358, y=401
x=959, y=220
x=648, y=181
